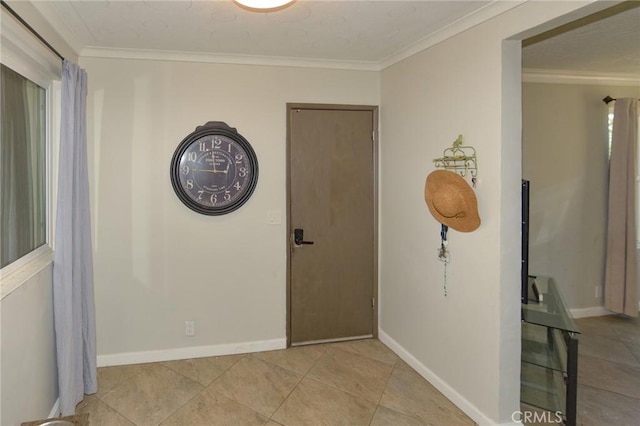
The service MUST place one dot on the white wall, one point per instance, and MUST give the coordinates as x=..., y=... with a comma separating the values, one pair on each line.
x=468, y=342
x=156, y=262
x=565, y=156
x=28, y=369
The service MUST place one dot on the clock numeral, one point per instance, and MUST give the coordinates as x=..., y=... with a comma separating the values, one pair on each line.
x=185, y=169
x=200, y=194
x=214, y=198
x=217, y=142
x=239, y=158
x=189, y=184
x=243, y=172
x=229, y=148
x=192, y=156
x=203, y=146
x=237, y=186
x=227, y=195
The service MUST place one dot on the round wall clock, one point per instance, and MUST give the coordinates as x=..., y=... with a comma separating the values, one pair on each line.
x=214, y=170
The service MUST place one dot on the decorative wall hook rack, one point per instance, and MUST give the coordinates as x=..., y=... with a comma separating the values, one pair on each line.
x=459, y=159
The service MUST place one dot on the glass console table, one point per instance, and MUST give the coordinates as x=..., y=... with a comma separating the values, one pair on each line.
x=549, y=351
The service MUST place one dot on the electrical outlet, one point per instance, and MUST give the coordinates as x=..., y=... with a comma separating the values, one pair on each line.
x=189, y=328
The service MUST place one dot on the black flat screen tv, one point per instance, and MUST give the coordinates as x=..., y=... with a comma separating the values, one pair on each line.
x=524, y=273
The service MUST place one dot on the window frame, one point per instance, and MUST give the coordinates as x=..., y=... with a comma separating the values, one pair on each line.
x=26, y=55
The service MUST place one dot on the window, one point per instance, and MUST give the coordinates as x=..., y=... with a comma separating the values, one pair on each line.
x=23, y=199
x=610, y=127
x=29, y=128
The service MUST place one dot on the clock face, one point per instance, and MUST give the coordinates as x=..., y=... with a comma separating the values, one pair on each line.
x=214, y=171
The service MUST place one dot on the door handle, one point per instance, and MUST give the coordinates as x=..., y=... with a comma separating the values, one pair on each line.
x=298, y=237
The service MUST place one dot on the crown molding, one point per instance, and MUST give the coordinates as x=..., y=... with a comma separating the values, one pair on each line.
x=535, y=75
x=162, y=55
x=491, y=10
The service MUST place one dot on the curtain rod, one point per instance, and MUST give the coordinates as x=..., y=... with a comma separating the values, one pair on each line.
x=31, y=30
x=608, y=99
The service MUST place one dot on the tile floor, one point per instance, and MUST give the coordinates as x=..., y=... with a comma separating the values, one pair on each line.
x=349, y=383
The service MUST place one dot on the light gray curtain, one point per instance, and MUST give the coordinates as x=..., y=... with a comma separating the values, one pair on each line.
x=74, y=307
x=621, y=278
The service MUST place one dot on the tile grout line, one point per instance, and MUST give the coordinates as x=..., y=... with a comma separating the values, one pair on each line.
x=160, y=364
x=632, y=350
x=393, y=368
x=186, y=402
x=142, y=366
x=285, y=399
x=609, y=391
x=620, y=364
x=331, y=385
x=246, y=355
x=113, y=409
x=326, y=352
x=302, y=377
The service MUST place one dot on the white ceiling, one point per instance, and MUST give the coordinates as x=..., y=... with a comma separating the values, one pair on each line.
x=607, y=46
x=360, y=34
x=353, y=31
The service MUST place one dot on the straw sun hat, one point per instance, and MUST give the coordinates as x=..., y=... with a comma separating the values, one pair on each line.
x=452, y=201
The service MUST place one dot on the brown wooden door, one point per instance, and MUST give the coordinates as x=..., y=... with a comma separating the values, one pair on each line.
x=332, y=199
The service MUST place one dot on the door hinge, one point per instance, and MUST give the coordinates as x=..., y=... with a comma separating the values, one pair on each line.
x=373, y=136
x=373, y=302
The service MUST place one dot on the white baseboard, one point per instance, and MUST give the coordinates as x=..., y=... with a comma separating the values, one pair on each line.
x=594, y=311
x=460, y=401
x=55, y=411
x=190, y=352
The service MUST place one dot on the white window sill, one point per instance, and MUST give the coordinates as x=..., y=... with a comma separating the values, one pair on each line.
x=21, y=271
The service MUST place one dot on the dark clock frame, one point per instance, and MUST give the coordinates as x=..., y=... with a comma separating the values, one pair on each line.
x=213, y=128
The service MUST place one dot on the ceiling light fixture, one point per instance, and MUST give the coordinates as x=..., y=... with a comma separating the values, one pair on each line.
x=264, y=5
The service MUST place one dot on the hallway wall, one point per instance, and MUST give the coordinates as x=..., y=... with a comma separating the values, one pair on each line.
x=466, y=342
x=565, y=156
